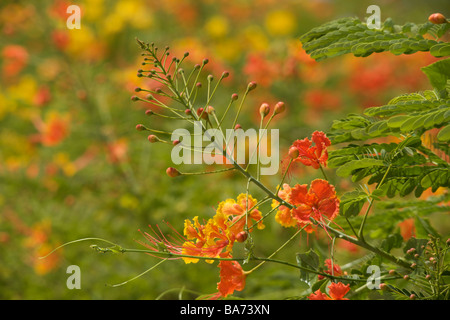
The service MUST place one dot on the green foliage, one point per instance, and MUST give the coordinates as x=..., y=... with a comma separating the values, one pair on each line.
x=414, y=159
x=350, y=35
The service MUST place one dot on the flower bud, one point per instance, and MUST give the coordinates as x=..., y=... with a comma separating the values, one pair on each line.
x=225, y=74
x=172, y=172
x=175, y=142
x=251, y=86
x=437, y=18
x=264, y=110
x=293, y=153
x=406, y=277
x=279, y=108
x=140, y=127
x=202, y=113
x=383, y=286
x=137, y=89
x=210, y=110
x=186, y=54
x=188, y=112
x=234, y=97
x=238, y=126
x=152, y=138
x=391, y=272
x=134, y=98
x=412, y=297
x=241, y=236
x=205, y=61
x=149, y=112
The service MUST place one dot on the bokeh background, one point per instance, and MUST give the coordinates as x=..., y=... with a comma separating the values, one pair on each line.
x=72, y=164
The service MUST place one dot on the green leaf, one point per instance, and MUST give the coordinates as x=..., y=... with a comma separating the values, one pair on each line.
x=424, y=228
x=352, y=202
x=349, y=167
x=438, y=74
x=309, y=260
x=392, y=241
x=440, y=50
x=444, y=134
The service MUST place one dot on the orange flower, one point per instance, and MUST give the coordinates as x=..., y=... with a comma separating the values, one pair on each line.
x=407, y=228
x=15, y=59
x=332, y=269
x=316, y=155
x=208, y=240
x=337, y=291
x=53, y=130
x=232, y=277
x=319, y=201
x=237, y=210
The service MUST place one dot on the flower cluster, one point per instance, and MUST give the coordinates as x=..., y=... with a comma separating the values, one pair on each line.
x=336, y=291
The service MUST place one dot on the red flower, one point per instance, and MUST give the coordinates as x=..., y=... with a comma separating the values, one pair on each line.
x=232, y=277
x=319, y=201
x=310, y=155
x=332, y=269
x=337, y=291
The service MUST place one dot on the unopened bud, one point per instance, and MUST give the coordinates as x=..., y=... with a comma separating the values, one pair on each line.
x=172, y=172
x=152, y=138
x=198, y=84
x=238, y=126
x=406, y=277
x=140, y=127
x=241, y=236
x=188, y=112
x=412, y=297
x=210, y=110
x=137, y=89
x=225, y=74
x=149, y=112
x=210, y=78
x=391, y=272
x=202, y=113
x=234, y=97
x=175, y=142
x=279, y=108
x=186, y=54
x=251, y=86
x=134, y=98
x=293, y=152
x=205, y=61
x=383, y=286
x=437, y=18
x=264, y=110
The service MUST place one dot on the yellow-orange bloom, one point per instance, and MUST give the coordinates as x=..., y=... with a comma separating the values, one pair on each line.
x=237, y=211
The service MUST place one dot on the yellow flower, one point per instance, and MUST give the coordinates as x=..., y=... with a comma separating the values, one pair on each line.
x=217, y=26
x=280, y=22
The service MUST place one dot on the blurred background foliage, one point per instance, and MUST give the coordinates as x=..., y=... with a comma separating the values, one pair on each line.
x=72, y=164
